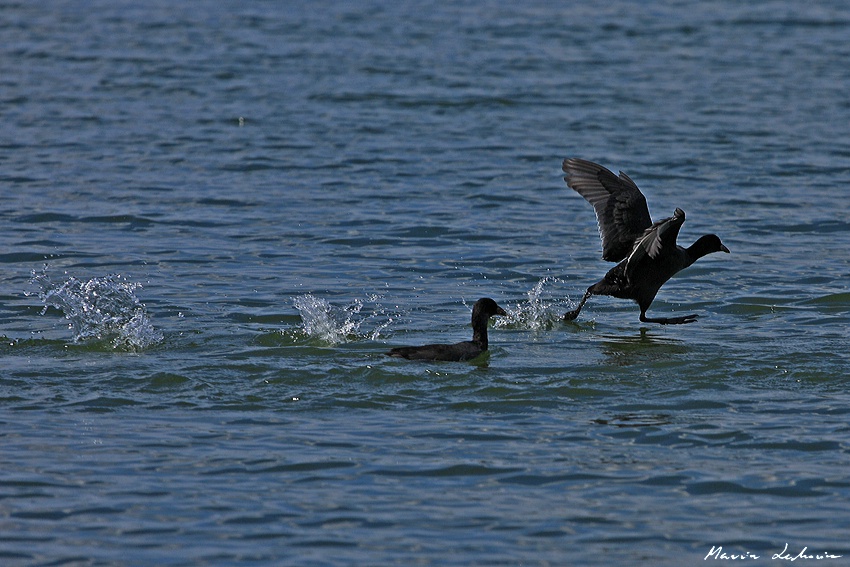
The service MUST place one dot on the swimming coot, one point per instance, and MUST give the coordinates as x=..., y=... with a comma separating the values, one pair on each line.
x=647, y=252
x=483, y=309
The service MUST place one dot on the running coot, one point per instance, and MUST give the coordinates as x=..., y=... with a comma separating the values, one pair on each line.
x=483, y=309
x=647, y=252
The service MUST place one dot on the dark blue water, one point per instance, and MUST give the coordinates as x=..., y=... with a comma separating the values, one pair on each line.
x=217, y=217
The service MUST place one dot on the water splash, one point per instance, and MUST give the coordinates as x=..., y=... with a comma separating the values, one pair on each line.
x=334, y=325
x=534, y=313
x=104, y=308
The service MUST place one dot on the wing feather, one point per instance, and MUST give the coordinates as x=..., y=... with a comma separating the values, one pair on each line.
x=657, y=239
x=621, y=211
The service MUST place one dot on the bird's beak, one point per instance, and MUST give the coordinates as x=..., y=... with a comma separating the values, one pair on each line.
x=724, y=249
x=501, y=312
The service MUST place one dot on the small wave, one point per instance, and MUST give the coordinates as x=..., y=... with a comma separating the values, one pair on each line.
x=104, y=308
x=334, y=325
x=535, y=313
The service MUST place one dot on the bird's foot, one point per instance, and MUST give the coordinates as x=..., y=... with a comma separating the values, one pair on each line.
x=571, y=315
x=671, y=320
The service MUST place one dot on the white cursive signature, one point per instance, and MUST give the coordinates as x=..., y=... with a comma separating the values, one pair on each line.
x=802, y=555
x=717, y=552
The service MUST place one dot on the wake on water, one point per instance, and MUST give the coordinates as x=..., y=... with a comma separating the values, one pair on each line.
x=103, y=308
x=107, y=309
x=334, y=325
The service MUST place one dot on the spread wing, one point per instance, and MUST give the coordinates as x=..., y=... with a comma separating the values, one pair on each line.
x=656, y=240
x=621, y=211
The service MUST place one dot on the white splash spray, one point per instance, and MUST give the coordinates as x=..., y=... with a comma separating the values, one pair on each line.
x=102, y=308
x=534, y=313
x=334, y=325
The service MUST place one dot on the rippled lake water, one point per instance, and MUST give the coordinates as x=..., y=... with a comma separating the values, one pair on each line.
x=216, y=218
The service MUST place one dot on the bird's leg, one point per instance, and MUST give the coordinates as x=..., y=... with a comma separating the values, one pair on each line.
x=668, y=320
x=571, y=315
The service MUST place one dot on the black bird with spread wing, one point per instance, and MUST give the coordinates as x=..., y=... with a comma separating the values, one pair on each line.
x=647, y=252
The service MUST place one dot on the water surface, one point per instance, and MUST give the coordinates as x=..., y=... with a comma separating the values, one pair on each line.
x=217, y=218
